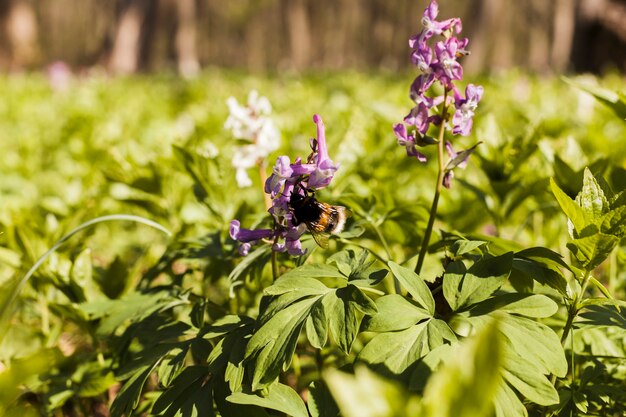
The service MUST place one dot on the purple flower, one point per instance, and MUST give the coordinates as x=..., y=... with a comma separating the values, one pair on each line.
x=419, y=118
x=248, y=235
x=465, y=107
x=408, y=141
x=448, y=68
x=281, y=172
x=432, y=27
x=325, y=168
x=286, y=178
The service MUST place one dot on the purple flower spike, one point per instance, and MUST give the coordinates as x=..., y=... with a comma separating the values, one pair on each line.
x=438, y=62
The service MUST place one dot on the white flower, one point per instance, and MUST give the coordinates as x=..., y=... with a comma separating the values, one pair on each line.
x=253, y=125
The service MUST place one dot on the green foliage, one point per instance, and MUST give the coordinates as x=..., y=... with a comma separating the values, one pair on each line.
x=501, y=320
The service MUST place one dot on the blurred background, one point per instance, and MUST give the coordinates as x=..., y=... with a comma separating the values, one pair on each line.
x=129, y=36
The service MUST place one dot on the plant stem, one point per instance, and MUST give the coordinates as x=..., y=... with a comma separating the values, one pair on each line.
x=572, y=313
x=274, y=266
x=263, y=177
x=396, y=283
x=438, y=188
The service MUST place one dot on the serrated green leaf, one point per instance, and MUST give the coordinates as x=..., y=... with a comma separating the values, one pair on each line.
x=614, y=222
x=592, y=250
x=278, y=397
x=414, y=285
x=396, y=313
x=572, y=210
x=591, y=198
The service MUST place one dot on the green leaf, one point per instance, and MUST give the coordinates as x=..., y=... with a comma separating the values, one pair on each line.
x=277, y=397
x=272, y=346
x=365, y=394
x=312, y=271
x=507, y=404
x=611, y=99
x=397, y=351
x=601, y=287
x=466, y=384
x=345, y=308
x=414, y=285
x=592, y=250
x=614, y=222
x=462, y=246
x=128, y=397
x=591, y=198
x=602, y=312
x=452, y=280
x=396, y=313
x=482, y=279
x=321, y=403
x=189, y=395
x=572, y=210
x=317, y=325
x=528, y=305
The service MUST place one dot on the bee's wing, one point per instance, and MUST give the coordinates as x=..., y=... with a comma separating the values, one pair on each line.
x=321, y=238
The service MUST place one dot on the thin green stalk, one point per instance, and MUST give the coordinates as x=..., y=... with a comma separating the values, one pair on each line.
x=382, y=239
x=60, y=242
x=274, y=266
x=572, y=313
x=396, y=284
x=438, y=188
x=355, y=243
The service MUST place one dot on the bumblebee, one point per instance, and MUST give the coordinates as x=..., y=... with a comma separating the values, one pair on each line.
x=321, y=219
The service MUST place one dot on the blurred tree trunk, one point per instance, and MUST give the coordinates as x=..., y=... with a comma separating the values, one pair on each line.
x=539, y=45
x=299, y=34
x=131, y=35
x=186, y=51
x=562, y=34
x=22, y=33
x=491, y=44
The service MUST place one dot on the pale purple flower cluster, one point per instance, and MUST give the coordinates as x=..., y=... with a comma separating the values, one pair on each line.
x=288, y=178
x=437, y=63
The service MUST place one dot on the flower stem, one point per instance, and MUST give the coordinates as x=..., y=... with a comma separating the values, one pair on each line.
x=263, y=177
x=440, y=175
